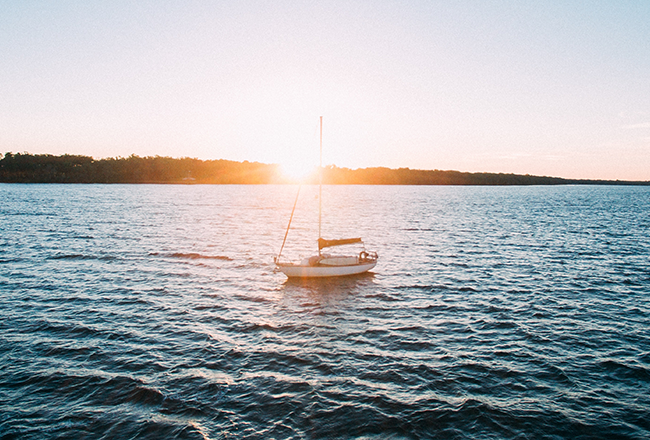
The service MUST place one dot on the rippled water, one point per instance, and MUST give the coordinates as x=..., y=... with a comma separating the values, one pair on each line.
x=151, y=311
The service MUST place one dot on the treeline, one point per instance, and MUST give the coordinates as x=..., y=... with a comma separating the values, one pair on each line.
x=406, y=176
x=46, y=168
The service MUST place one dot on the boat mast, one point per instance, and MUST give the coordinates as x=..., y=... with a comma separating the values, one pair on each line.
x=320, y=183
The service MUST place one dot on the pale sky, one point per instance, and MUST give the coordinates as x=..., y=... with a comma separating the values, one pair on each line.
x=558, y=88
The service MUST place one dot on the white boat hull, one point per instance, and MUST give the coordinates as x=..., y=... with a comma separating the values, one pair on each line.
x=306, y=271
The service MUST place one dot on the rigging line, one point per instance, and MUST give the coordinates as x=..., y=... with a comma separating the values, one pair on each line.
x=277, y=260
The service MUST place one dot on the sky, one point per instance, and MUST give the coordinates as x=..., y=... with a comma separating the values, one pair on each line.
x=554, y=88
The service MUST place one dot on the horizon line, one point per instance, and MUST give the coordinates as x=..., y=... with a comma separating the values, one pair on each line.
x=315, y=167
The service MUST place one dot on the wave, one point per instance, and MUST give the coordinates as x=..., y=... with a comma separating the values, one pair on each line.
x=82, y=257
x=190, y=256
x=622, y=371
x=71, y=257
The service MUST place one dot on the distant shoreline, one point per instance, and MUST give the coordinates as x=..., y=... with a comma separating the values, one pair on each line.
x=46, y=168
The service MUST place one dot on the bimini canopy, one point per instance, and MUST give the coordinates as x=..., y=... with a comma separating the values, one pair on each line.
x=322, y=243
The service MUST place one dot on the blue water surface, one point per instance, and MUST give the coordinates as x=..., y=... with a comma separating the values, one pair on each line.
x=154, y=311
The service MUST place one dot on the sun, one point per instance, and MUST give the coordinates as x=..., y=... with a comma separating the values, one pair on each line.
x=298, y=171
x=299, y=167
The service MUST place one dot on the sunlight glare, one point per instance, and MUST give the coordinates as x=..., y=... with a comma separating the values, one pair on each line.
x=298, y=170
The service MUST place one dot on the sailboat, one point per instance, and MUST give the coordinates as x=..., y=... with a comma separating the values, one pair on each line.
x=323, y=264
